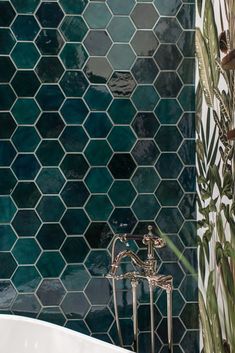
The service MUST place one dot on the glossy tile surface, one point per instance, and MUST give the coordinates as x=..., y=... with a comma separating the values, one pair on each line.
x=96, y=136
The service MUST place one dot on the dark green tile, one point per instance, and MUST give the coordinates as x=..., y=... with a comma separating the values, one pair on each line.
x=25, y=83
x=178, y=303
x=188, y=179
x=8, y=97
x=190, y=316
x=74, y=84
x=75, y=194
x=121, y=84
x=26, y=279
x=168, y=111
x=74, y=166
x=9, y=69
x=50, y=97
x=98, y=235
x=75, y=305
x=73, y=28
x=122, y=111
x=25, y=111
x=50, y=264
x=74, y=250
x=73, y=8
x=122, y=220
x=7, y=14
x=26, y=166
x=186, y=43
x=98, y=180
x=190, y=342
x=49, y=69
x=97, y=15
x=26, y=251
x=169, y=193
x=187, y=98
x=7, y=125
x=74, y=139
x=187, y=125
x=51, y=236
x=186, y=16
x=53, y=315
x=25, y=55
x=50, y=153
x=26, y=139
x=75, y=221
x=73, y=55
x=74, y=111
x=7, y=181
x=25, y=27
x=98, y=125
x=7, y=153
x=168, y=84
x=7, y=40
x=7, y=209
x=26, y=223
x=169, y=220
x=189, y=288
x=26, y=305
x=145, y=152
x=98, y=97
x=50, y=208
x=98, y=152
x=122, y=193
x=26, y=195
x=145, y=70
x=187, y=71
x=99, y=291
x=145, y=179
x=168, y=30
x=119, y=7
x=122, y=166
x=145, y=207
x=168, y=138
x=79, y=326
x=70, y=276
x=51, y=292
x=121, y=29
x=49, y=42
x=97, y=43
x=188, y=206
x=8, y=294
x=99, y=208
x=97, y=262
x=50, y=125
x=50, y=180
x=25, y=6
x=168, y=57
x=168, y=8
x=145, y=125
x=169, y=166
x=7, y=237
x=9, y=267
x=144, y=43
x=49, y=14
x=99, y=319
x=187, y=152
x=121, y=139
x=145, y=98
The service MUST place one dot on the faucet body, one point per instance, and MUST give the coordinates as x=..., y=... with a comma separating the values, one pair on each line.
x=147, y=271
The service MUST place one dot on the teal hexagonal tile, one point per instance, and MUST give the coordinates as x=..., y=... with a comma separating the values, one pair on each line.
x=99, y=311
x=169, y=193
x=49, y=42
x=70, y=275
x=8, y=97
x=168, y=111
x=169, y=165
x=121, y=56
x=186, y=43
x=94, y=262
x=145, y=152
x=168, y=138
x=187, y=98
x=7, y=153
x=50, y=153
x=74, y=166
x=9, y=14
x=25, y=27
x=97, y=15
x=98, y=152
x=26, y=251
x=121, y=111
x=50, y=180
x=188, y=233
x=145, y=179
x=98, y=125
x=74, y=221
x=7, y=40
x=74, y=249
x=122, y=139
x=49, y=14
x=9, y=69
x=73, y=28
x=75, y=194
x=50, y=208
x=119, y=7
x=26, y=139
x=75, y=305
x=186, y=16
x=169, y=220
x=121, y=84
x=97, y=70
x=9, y=292
x=73, y=55
x=145, y=98
x=98, y=235
x=7, y=209
x=168, y=84
x=74, y=139
x=98, y=97
x=187, y=152
x=168, y=57
x=50, y=264
x=145, y=70
x=9, y=267
x=99, y=208
x=7, y=181
x=26, y=223
x=168, y=8
x=74, y=84
x=168, y=30
x=145, y=125
x=188, y=206
x=50, y=236
x=26, y=305
x=7, y=125
x=98, y=180
x=74, y=111
x=186, y=70
x=7, y=237
x=25, y=166
x=50, y=125
x=122, y=220
x=25, y=55
x=121, y=29
x=73, y=8
x=25, y=83
x=26, y=194
x=122, y=193
x=25, y=6
x=49, y=69
x=50, y=97
x=145, y=207
x=97, y=42
x=25, y=111
x=122, y=165
x=51, y=292
x=144, y=43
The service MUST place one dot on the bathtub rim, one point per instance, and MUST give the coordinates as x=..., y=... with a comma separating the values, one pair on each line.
x=61, y=329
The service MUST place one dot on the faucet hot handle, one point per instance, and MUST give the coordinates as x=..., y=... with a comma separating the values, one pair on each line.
x=152, y=241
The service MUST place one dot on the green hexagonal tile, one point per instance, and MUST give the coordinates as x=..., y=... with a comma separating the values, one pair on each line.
x=98, y=152
x=26, y=139
x=25, y=55
x=145, y=179
x=169, y=193
x=50, y=264
x=50, y=208
x=73, y=55
x=26, y=195
x=99, y=207
x=122, y=139
x=145, y=207
x=26, y=251
x=7, y=209
x=73, y=28
x=122, y=193
x=97, y=15
x=98, y=180
x=74, y=221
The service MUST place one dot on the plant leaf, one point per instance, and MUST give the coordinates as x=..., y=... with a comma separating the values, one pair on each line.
x=206, y=330
x=199, y=7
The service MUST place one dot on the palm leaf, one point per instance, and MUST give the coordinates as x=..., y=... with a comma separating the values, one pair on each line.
x=204, y=68
x=206, y=330
x=199, y=7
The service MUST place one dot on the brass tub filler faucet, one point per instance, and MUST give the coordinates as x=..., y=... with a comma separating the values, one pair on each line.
x=148, y=271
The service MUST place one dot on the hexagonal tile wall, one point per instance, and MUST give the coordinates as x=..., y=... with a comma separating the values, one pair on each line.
x=96, y=137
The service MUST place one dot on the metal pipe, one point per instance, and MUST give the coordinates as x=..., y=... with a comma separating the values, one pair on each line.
x=169, y=320
x=134, y=284
x=152, y=317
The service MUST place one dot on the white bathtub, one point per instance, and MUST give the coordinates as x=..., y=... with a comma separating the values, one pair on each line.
x=19, y=334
